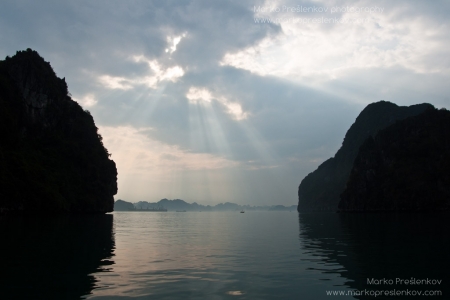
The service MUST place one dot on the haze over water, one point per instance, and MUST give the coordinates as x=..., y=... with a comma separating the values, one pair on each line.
x=220, y=255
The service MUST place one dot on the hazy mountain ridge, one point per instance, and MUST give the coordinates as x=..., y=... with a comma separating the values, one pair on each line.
x=178, y=204
x=52, y=158
x=121, y=205
x=321, y=189
x=405, y=167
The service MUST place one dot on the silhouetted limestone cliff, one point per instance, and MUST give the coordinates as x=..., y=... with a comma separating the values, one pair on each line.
x=321, y=189
x=51, y=156
x=404, y=168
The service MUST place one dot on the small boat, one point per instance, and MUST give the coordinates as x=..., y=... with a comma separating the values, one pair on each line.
x=180, y=211
x=242, y=211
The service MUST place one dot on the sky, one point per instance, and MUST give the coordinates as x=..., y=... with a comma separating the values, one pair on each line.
x=232, y=101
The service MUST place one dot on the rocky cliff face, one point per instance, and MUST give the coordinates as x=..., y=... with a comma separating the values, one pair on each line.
x=404, y=168
x=51, y=156
x=321, y=189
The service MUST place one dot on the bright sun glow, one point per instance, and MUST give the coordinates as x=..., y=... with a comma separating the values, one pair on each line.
x=173, y=42
x=157, y=74
x=197, y=95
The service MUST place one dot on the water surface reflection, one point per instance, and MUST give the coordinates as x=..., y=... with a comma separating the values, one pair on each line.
x=53, y=257
x=203, y=255
x=256, y=255
x=380, y=246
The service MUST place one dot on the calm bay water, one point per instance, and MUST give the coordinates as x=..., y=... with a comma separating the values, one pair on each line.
x=222, y=255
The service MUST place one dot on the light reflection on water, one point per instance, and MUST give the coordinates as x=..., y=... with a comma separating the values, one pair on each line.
x=267, y=255
x=218, y=255
x=214, y=255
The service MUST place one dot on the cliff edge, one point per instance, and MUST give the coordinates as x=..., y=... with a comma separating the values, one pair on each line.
x=52, y=158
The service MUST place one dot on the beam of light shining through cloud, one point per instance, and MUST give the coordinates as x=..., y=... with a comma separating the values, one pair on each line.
x=197, y=100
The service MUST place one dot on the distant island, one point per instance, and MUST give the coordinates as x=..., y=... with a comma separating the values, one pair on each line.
x=393, y=158
x=51, y=155
x=181, y=205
